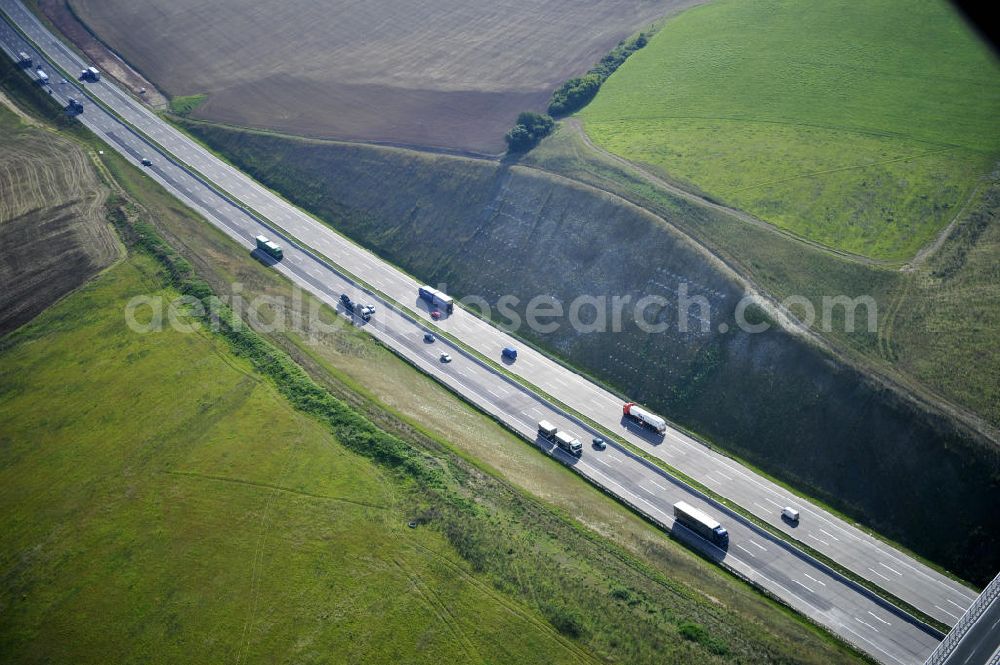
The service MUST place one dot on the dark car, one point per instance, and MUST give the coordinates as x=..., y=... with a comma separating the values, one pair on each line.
x=346, y=300
x=599, y=443
x=146, y=161
x=429, y=337
x=509, y=352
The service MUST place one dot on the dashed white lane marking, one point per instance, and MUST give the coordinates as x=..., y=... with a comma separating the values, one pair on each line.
x=804, y=586
x=816, y=538
x=890, y=568
x=884, y=577
x=723, y=475
x=773, y=503
x=755, y=543
x=677, y=450
x=955, y=604
x=863, y=622
x=838, y=539
x=653, y=482
x=947, y=612
x=878, y=618
x=746, y=550
x=814, y=579
x=870, y=643
x=654, y=508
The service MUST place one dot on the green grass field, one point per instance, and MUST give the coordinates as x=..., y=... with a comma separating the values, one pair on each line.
x=863, y=126
x=161, y=501
x=184, y=106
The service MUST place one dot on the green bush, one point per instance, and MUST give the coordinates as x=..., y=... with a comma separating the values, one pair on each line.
x=577, y=92
x=529, y=129
x=574, y=94
x=695, y=632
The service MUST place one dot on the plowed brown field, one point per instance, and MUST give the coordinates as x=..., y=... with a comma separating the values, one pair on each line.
x=447, y=73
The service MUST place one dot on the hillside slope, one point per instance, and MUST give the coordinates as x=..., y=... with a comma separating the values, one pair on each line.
x=488, y=230
x=862, y=126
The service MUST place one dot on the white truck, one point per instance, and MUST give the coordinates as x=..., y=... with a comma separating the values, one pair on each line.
x=645, y=418
x=563, y=440
x=43, y=78
x=24, y=59
x=90, y=74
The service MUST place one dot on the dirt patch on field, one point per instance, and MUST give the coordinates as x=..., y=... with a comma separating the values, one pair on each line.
x=60, y=14
x=444, y=73
x=52, y=226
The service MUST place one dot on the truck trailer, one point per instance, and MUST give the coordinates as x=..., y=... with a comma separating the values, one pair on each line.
x=437, y=298
x=90, y=74
x=269, y=248
x=565, y=441
x=701, y=523
x=43, y=78
x=547, y=430
x=645, y=418
x=569, y=443
x=24, y=59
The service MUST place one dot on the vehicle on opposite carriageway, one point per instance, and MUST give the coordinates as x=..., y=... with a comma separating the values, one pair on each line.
x=437, y=298
x=645, y=418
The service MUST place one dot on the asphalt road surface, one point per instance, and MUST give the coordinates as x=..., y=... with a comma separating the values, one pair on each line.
x=225, y=197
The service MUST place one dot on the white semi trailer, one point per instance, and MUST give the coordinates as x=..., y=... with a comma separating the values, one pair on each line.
x=645, y=418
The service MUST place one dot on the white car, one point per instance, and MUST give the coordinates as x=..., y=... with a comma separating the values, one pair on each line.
x=790, y=514
x=445, y=358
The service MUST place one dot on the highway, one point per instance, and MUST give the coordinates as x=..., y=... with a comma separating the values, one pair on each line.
x=855, y=614
x=981, y=644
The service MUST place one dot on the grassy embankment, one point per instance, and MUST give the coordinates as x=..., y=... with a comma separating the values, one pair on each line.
x=860, y=126
x=771, y=399
x=184, y=106
x=205, y=498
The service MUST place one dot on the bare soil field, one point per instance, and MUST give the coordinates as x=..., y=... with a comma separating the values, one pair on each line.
x=52, y=226
x=59, y=14
x=442, y=73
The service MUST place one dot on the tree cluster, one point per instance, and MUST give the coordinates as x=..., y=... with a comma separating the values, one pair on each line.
x=575, y=93
x=529, y=129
